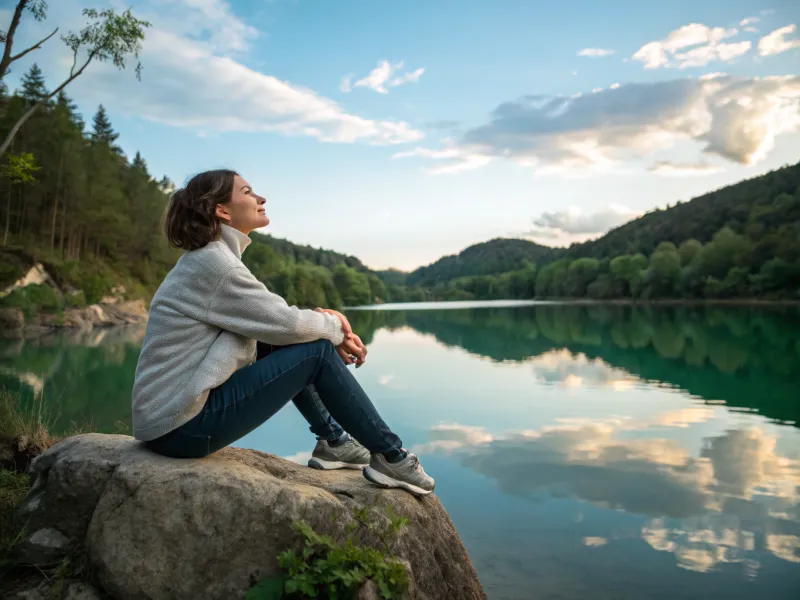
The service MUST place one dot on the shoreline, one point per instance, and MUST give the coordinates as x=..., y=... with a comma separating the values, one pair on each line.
x=512, y=303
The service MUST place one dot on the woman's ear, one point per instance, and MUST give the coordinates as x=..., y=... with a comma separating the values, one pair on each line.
x=222, y=213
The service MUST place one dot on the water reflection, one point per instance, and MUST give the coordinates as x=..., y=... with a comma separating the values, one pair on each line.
x=747, y=357
x=734, y=500
x=85, y=377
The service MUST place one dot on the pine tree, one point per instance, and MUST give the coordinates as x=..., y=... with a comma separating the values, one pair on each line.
x=103, y=131
x=65, y=102
x=139, y=163
x=33, y=88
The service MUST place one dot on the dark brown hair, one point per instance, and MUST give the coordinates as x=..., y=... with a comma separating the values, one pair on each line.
x=191, y=220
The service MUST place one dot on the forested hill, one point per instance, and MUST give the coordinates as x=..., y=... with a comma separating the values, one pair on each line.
x=742, y=241
x=488, y=258
x=761, y=208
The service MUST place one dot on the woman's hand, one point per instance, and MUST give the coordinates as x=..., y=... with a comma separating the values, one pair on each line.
x=352, y=350
x=345, y=323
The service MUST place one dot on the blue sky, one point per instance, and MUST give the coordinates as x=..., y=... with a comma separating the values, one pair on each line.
x=403, y=131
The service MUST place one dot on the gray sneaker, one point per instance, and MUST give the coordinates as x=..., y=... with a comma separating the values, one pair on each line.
x=406, y=474
x=347, y=455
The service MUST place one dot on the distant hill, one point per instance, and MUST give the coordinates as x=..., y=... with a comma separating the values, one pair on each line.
x=741, y=241
x=488, y=258
x=291, y=252
x=701, y=217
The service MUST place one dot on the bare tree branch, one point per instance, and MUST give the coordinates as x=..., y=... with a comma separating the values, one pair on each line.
x=36, y=46
x=12, y=28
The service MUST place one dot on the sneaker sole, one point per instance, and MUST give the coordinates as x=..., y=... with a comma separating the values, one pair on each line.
x=387, y=482
x=331, y=465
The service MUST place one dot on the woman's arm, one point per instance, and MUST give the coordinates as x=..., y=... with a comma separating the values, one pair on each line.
x=242, y=304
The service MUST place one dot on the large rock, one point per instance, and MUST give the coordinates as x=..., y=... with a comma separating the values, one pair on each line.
x=155, y=527
x=11, y=319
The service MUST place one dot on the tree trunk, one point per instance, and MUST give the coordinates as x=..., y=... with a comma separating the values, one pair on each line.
x=8, y=215
x=55, y=203
x=21, y=222
x=63, y=224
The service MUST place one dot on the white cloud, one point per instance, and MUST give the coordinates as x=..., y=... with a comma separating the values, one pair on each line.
x=209, y=21
x=575, y=220
x=346, y=83
x=692, y=45
x=300, y=458
x=672, y=169
x=614, y=86
x=411, y=77
x=192, y=79
x=734, y=118
x=775, y=42
x=749, y=21
x=460, y=159
x=595, y=52
x=383, y=75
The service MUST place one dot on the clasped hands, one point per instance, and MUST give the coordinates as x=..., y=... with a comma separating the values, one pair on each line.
x=352, y=349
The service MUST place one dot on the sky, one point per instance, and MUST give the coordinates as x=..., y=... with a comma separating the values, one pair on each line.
x=399, y=132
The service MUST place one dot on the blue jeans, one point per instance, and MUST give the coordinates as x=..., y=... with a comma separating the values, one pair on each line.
x=311, y=375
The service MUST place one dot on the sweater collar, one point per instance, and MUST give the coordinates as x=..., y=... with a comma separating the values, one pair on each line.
x=234, y=239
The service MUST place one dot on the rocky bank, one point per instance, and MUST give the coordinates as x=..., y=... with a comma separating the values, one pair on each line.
x=155, y=527
x=14, y=325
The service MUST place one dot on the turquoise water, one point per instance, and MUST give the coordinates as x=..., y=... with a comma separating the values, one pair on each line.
x=581, y=451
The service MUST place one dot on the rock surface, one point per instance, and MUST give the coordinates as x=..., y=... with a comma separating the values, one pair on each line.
x=13, y=324
x=44, y=546
x=11, y=319
x=155, y=527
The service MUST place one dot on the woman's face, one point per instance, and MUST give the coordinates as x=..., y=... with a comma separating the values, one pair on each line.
x=245, y=211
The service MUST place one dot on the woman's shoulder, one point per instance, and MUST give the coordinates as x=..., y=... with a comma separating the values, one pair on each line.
x=214, y=255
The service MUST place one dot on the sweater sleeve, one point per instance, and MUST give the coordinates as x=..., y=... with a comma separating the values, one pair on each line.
x=244, y=305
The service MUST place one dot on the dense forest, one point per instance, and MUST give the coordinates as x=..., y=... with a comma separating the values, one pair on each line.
x=742, y=241
x=93, y=217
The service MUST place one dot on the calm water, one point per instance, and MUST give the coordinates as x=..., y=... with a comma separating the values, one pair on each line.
x=603, y=452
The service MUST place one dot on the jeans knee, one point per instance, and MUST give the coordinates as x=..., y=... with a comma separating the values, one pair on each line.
x=324, y=348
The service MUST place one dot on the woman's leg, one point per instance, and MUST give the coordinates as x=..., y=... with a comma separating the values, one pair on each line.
x=256, y=392
x=308, y=402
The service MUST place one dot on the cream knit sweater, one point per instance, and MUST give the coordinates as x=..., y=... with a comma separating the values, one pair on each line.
x=204, y=321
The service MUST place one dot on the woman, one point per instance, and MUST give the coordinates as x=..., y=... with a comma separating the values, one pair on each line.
x=222, y=354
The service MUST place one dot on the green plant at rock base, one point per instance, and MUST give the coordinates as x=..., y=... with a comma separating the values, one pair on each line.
x=34, y=422
x=325, y=568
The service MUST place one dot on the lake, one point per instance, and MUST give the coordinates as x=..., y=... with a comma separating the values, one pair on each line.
x=582, y=451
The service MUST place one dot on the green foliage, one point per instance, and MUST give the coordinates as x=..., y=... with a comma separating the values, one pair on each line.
x=32, y=299
x=109, y=37
x=354, y=287
x=663, y=275
x=335, y=570
x=18, y=168
x=489, y=258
